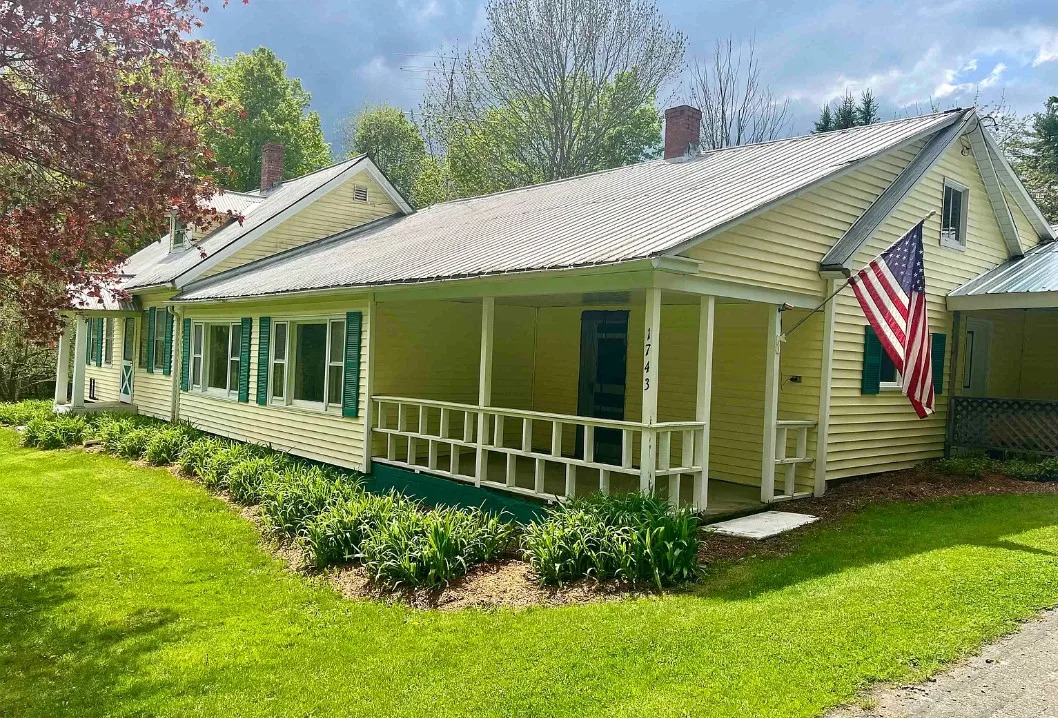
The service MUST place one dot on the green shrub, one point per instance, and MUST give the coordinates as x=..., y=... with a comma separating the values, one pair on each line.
x=302, y=493
x=1031, y=470
x=433, y=547
x=972, y=467
x=33, y=431
x=165, y=445
x=110, y=430
x=629, y=536
x=132, y=444
x=337, y=535
x=215, y=467
x=20, y=413
x=193, y=457
x=247, y=479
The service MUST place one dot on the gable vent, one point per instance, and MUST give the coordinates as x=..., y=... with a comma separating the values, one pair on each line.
x=360, y=193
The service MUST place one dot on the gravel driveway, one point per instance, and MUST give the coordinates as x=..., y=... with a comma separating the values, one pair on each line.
x=1017, y=677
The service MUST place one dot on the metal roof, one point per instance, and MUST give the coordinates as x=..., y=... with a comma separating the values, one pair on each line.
x=861, y=230
x=154, y=264
x=1036, y=272
x=632, y=212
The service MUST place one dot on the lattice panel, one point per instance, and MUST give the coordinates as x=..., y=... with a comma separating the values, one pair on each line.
x=1005, y=424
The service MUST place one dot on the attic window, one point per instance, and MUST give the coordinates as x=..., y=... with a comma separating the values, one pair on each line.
x=953, y=216
x=360, y=193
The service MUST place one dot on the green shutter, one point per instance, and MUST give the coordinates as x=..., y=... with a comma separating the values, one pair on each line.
x=937, y=348
x=185, y=355
x=871, y=379
x=99, y=341
x=244, y=360
x=151, y=321
x=351, y=378
x=167, y=354
x=264, y=336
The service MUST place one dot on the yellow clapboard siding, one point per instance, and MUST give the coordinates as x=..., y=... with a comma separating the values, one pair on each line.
x=333, y=212
x=318, y=435
x=108, y=376
x=876, y=433
x=781, y=248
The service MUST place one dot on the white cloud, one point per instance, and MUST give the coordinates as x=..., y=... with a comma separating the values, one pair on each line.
x=1048, y=51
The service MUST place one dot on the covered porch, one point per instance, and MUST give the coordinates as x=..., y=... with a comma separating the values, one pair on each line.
x=95, y=363
x=560, y=395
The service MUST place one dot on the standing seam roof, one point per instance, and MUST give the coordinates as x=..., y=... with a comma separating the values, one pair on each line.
x=632, y=212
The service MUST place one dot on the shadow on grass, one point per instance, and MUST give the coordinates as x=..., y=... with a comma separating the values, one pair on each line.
x=54, y=661
x=890, y=532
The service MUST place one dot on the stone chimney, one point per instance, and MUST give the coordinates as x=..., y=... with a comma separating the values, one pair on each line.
x=683, y=131
x=271, y=166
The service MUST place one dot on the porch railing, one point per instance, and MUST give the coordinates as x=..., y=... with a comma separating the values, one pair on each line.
x=786, y=463
x=1020, y=425
x=545, y=455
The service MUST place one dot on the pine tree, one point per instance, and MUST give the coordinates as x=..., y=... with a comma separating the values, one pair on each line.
x=867, y=112
x=1037, y=161
x=846, y=115
x=825, y=123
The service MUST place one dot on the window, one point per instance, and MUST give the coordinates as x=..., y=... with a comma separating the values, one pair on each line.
x=144, y=339
x=108, y=342
x=279, y=361
x=89, y=356
x=888, y=376
x=197, y=346
x=159, y=340
x=308, y=363
x=953, y=215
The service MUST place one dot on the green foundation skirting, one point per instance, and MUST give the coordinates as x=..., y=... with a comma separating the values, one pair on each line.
x=438, y=491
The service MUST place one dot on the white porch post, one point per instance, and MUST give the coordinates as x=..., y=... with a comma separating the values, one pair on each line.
x=488, y=320
x=825, y=378
x=651, y=356
x=703, y=404
x=80, y=355
x=771, y=405
x=62, y=366
x=369, y=389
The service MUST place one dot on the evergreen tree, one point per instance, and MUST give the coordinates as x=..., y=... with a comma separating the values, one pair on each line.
x=846, y=116
x=867, y=112
x=825, y=123
x=1037, y=159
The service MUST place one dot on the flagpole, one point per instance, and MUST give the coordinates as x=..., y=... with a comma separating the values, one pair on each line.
x=848, y=281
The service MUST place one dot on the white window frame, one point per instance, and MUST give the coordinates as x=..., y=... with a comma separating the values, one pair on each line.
x=946, y=240
x=285, y=362
x=108, y=341
x=158, y=339
x=231, y=390
x=288, y=399
x=198, y=330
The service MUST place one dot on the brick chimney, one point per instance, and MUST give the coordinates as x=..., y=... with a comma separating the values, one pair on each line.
x=271, y=166
x=683, y=131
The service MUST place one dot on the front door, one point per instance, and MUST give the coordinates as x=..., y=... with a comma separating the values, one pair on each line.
x=128, y=354
x=603, y=365
x=975, y=366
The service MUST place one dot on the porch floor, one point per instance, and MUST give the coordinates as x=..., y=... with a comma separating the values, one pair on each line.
x=91, y=407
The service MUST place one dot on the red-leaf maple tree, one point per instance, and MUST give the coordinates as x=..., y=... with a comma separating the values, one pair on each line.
x=102, y=107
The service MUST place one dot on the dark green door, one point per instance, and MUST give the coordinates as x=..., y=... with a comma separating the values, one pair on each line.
x=603, y=365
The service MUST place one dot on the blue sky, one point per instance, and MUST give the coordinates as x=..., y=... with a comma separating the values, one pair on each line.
x=349, y=53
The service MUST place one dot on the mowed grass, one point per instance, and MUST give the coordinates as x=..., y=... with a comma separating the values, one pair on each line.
x=126, y=591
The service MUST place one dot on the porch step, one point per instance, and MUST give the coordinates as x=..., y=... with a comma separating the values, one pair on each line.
x=762, y=525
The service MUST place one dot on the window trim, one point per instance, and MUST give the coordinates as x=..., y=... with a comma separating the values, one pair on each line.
x=272, y=361
x=959, y=243
x=195, y=382
x=108, y=342
x=231, y=392
x=158, y=340
x=288, y=401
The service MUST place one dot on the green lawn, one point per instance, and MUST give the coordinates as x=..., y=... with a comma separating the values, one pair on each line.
x=126, y=591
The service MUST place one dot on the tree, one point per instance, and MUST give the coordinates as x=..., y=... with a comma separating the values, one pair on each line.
x=1036, y=159
x=736, y=108
x=392, y=140
x=552, y=89
x=27, y=368
x=263, y=105
x=846, y=113
x=99, y=101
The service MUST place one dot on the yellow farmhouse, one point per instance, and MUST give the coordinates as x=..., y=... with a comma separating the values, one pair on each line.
x=656, y=326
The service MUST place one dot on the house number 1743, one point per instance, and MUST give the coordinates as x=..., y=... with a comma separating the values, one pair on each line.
x=647, y=345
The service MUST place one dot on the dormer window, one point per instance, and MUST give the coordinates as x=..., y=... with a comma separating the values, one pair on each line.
x=180, y=235
x=953, y=215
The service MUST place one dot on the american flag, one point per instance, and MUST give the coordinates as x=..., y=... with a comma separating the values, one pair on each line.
x=891, y=290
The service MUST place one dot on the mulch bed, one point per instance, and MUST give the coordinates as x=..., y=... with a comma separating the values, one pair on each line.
x=918, y=484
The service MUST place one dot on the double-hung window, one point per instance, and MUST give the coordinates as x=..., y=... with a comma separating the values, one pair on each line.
x=144, y=325
x=953, y=215
x=308, y=362
x=219, y=343
x=197, y=354
x=159, y=340
x=108, y=341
